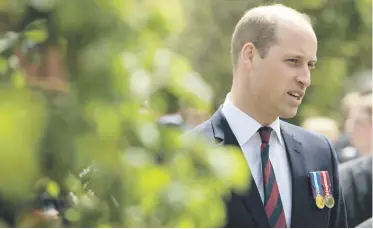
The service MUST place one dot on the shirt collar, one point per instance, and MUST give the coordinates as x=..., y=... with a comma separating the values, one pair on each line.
x=244, y=126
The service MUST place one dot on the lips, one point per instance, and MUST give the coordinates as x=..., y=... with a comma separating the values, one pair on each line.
x=296, y=94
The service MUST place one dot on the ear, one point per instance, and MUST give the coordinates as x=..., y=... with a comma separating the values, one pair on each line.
x=248, y=52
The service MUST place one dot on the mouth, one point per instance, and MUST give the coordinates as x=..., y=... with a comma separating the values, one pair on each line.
x=296, y=94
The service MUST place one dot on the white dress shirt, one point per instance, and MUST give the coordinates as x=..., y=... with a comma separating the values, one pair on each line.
x=245, y=129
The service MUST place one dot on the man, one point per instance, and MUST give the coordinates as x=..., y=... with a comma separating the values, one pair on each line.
x=361, y=130
x=356, y=182
x=345, y=151
x=356, y=175
x=273, y=51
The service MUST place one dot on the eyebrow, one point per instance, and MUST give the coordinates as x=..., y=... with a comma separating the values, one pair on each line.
x=297, y=55
x=313, y=61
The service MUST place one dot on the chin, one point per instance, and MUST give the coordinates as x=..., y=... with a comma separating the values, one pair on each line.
x=291, y=113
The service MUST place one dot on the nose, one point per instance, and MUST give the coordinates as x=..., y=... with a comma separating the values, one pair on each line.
x=304, y=78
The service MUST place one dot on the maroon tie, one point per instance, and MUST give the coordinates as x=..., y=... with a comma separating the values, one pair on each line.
x=272, y=199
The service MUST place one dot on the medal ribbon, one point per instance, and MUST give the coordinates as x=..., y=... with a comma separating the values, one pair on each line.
x=319, y=181
x=326, y=181
x=315, y=184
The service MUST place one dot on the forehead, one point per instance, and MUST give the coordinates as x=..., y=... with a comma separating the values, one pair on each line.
x=296, y=39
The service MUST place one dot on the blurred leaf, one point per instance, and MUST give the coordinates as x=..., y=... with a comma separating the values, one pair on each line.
x=43, y=5
x=72, y=215
x=18, y=80
x=37, y=36
x=98, y=142
x=3, y=224
x=36, y=31
x=53, y=189
x=20, y=130
x=365, y=9
x=3, y=65
x=186, y=223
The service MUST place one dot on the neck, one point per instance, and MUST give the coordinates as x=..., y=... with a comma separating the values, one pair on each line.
x=245, y=102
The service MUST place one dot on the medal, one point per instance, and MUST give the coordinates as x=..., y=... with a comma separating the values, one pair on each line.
x=320, y=201
x=316, y=190
x=328, y=198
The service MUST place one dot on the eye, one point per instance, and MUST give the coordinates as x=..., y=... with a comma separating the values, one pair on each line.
x=311, y=66
x=292, y=61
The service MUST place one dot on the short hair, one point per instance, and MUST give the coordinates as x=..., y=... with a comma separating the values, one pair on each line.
x=259, y=26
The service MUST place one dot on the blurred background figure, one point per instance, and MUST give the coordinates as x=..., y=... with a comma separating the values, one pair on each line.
x=366, y=224
x=348, y=104
x=323, y=125
x=356, y=183
x=357, y=139
x=361, y=131
x=194, y=117
x=168, y=104
x=173, y=112
x=356, y=172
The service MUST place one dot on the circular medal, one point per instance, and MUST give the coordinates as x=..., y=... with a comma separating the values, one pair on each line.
x=320, y=201
x=329, y=200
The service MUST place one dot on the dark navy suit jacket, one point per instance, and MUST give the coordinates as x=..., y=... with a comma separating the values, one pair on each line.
x=306, y=152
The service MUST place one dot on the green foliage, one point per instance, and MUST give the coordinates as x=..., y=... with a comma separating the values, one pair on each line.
x=36, y=31
x=343, y=27
x=92, y=142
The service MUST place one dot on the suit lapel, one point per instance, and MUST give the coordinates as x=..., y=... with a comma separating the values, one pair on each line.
x=251, y=200
x=300, y=184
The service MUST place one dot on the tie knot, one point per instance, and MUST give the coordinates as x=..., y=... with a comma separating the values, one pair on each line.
x=265, y=133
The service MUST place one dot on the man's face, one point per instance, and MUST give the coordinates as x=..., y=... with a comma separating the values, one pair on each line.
x=279, y=81
x=361, y=134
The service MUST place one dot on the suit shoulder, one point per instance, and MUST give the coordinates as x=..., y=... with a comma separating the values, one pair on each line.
x=202, y=130
x=362, y=164
x=303, y=134
x=316, y=144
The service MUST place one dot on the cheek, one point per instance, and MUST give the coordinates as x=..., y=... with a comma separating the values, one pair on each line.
x=278, y=78
x=367, y=131
x=271, y=79
x=280, y=72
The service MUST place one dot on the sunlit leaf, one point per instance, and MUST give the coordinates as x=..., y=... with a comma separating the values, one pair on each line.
x=72, y=215
x=37, y=36
x=43, y=5
x=53, y=189
x=18, y=80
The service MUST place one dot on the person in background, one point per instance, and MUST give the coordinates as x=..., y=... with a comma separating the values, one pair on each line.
x=349, y=103
x=322, y=125
x=356, y=175
x=356, y=181
x=366, y=224
x=165, y=101
x=361, y=130
x=193, y=117
x=357, y=138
